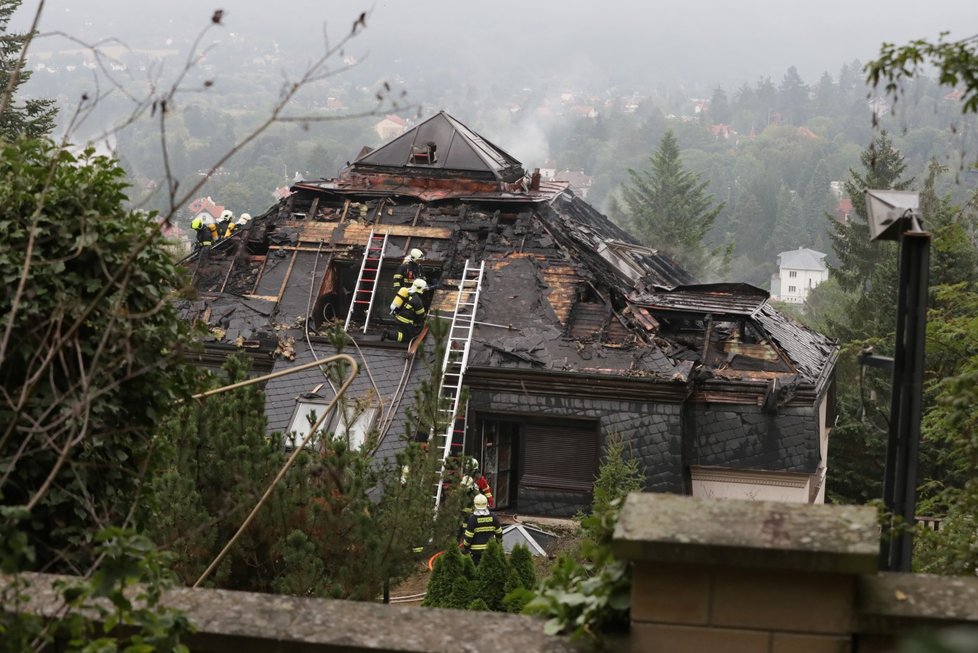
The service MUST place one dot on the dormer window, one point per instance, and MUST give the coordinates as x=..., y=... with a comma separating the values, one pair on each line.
x=424, y=155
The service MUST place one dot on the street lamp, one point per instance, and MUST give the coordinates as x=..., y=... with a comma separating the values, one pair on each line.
x=894, y=215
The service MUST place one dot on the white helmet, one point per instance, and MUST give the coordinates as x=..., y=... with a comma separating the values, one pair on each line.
x=226, y=215
x=416, y=254
x=480, y=502
x=419, y=285
x=472, y=464
x=244, y=218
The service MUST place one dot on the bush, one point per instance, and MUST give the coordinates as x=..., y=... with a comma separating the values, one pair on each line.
x=521, y=560
x=448, y=567
x=491, y=575
x=478, y=605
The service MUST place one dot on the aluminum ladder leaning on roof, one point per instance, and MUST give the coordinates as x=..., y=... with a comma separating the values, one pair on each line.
x=456, y=360
x=366, y=288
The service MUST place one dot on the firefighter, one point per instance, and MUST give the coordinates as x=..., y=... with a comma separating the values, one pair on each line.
x=480, y=528
x=409, y=270
x=473, y=483
x=242, y=221
x=223, y=224
x=409, y=311
x=206, y=233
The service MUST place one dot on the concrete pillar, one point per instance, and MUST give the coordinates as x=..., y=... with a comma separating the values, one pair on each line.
x=744, y=576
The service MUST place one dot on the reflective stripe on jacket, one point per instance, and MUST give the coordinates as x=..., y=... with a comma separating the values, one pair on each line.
x=481, y=527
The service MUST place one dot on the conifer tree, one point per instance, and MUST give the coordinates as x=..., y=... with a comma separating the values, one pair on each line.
x=464, y=591
x=478, y=605
x=669, y=208
x=446, y=569
x=34, y=117
x=869, y=268
x=491, y=576
x=521, y=560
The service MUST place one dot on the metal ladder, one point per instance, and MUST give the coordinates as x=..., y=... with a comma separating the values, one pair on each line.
x=455, y=362
x=367, y=279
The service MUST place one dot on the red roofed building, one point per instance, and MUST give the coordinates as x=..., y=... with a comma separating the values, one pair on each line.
x=390, y=127
x=842, y=210
x=205, y=208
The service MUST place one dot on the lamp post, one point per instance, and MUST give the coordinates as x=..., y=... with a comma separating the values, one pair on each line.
x=894, y=215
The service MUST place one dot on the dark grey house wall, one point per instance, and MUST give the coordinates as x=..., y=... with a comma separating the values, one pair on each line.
x=652, y=432
x=743, y=437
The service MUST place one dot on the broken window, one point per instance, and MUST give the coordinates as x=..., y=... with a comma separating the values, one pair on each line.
x=424, y=155
x=335, y=292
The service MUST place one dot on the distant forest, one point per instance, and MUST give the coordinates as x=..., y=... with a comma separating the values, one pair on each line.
x=770, y=150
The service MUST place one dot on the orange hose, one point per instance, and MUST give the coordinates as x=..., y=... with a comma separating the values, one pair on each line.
x=431, y=560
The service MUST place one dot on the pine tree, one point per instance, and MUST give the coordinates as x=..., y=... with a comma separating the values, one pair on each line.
x=491, y=576
x=447, y=568
x=521, y=560
x=869, y=267
x=858, y=256
x=35, y=117
x=464, y=591
x=669, y=208
x=478, y=605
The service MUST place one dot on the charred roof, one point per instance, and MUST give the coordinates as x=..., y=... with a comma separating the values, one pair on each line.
x=565, y=291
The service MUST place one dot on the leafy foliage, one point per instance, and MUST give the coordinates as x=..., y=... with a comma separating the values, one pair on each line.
x=590, y=593
x=588, y=597
x=956, y=61
x=118, y=607
x=88, y=345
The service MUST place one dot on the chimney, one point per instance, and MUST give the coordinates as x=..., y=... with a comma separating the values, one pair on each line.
x=535, y=180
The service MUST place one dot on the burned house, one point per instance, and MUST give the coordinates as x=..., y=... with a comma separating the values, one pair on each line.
x=573, y=333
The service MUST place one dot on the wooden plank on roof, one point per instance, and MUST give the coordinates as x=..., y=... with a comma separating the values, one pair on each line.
x=312, y=208
x=356, y=234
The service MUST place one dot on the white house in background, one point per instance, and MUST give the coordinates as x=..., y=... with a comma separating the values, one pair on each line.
x=799, y=270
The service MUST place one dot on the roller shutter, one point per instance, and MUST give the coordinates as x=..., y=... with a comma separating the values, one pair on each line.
x=563, y=456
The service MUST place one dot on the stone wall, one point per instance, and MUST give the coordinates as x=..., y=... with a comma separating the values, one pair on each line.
x=246, y=622
x=766, y=577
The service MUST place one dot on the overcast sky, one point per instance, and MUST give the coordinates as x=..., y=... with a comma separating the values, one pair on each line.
x=704, y=42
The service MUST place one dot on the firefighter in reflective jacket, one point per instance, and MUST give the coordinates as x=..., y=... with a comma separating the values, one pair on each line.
x=206, y=233
x=481, y=527
x=409, y=270
x=409, y=312
x=473, y=483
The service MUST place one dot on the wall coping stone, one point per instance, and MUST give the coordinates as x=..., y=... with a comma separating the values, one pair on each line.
x=741, y=533
x=891, y=602
x=246, y=622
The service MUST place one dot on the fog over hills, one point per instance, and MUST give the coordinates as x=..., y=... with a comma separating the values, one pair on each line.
x=623, y=42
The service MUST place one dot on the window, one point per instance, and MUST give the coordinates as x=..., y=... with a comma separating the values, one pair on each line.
x=792, y=288
x=424, y=155
x=308, y=409
x=354, y=424
x=792, y=274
